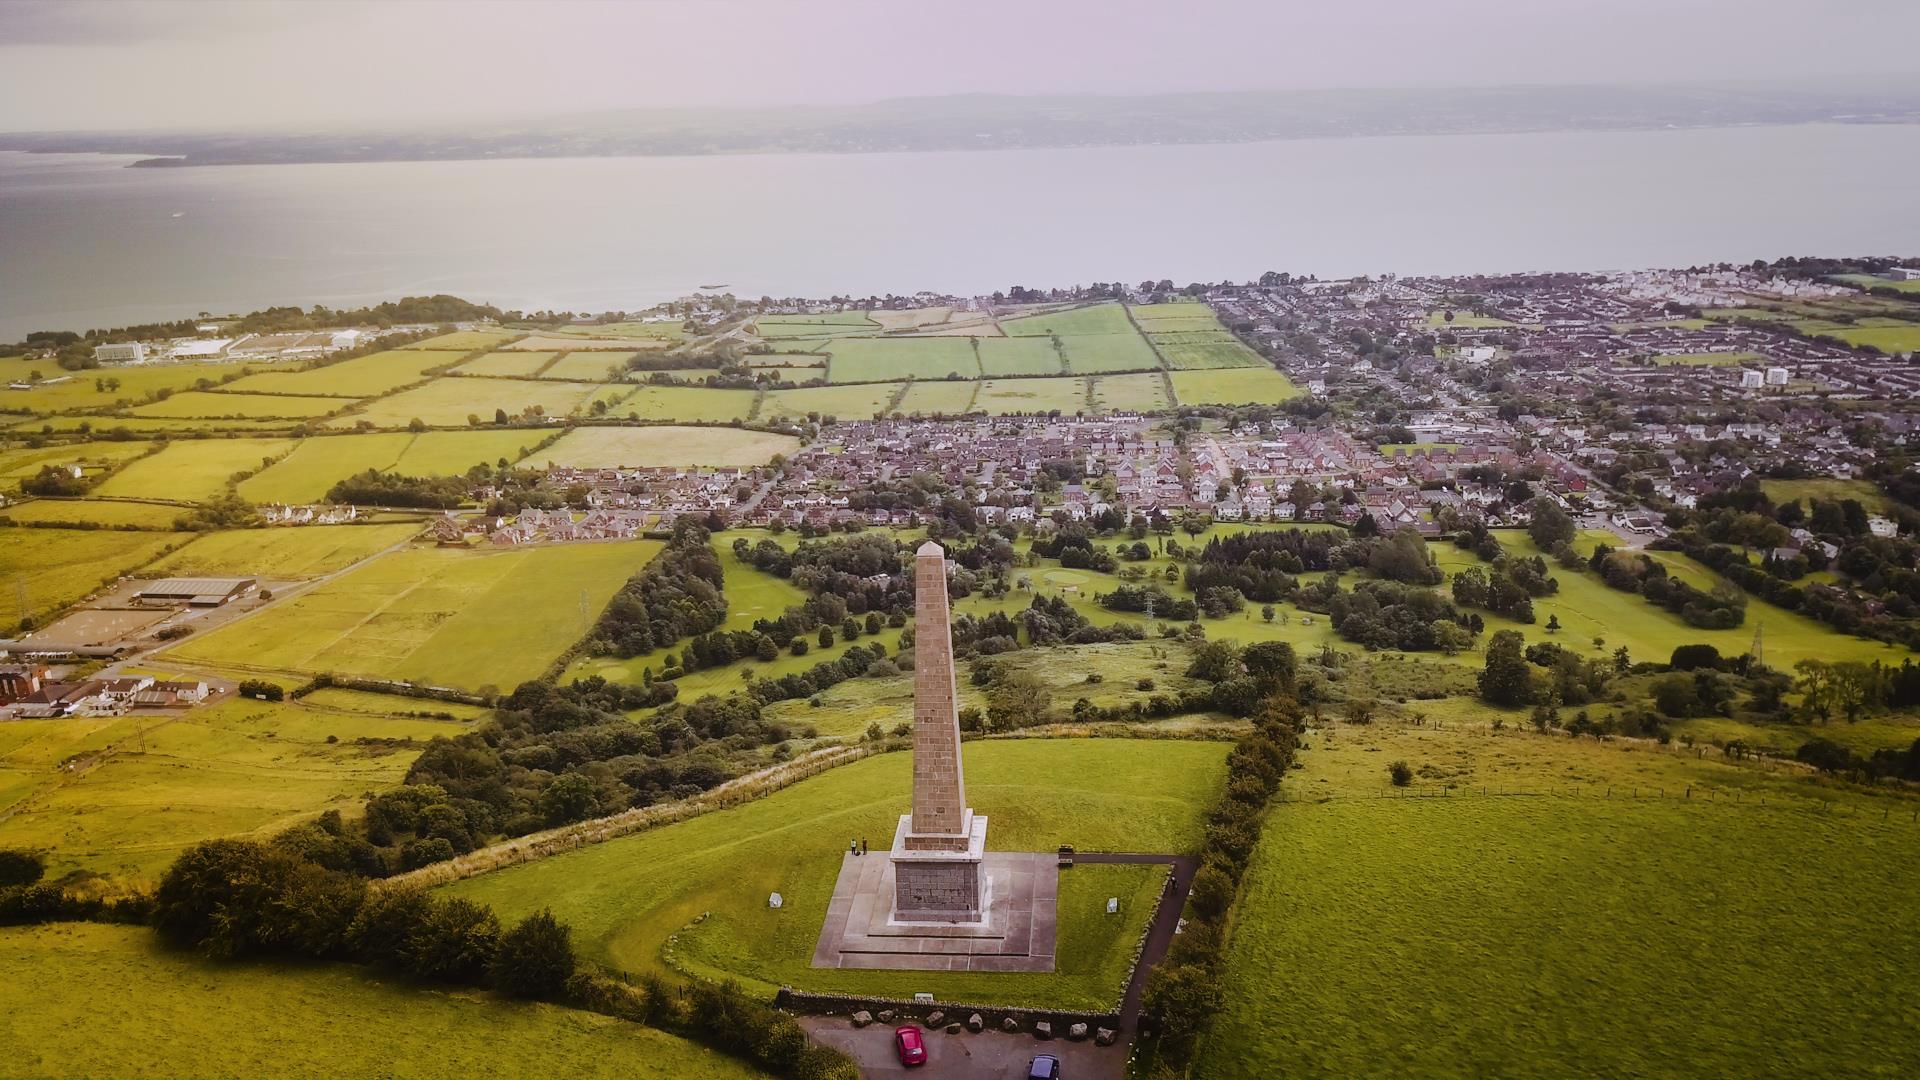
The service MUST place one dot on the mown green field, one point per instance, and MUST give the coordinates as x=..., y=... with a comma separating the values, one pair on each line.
x=858, y=360
x=790, y=326
x=363, y=376
x=506, y=363
x=148, y=786
x=588, y=366
x=1136, y=393
x=1898, y=338
x=939, y=398
x=449, y=401
x=191, y=470
x=20, y=462
x=1225, y=351
x=1786, y=491
x=1233, y=386
x=848, y=402
x=1001, y=396
x=689, y=403
x=605, y=447
x=318, y=463
x=1018, y=356
x=465, y=340
x=1093, y=319
x=1563, y=934
x=288, y=552
x=626, y=896
x=200, y=405
x=452, y=617
x=81, y=389
x=644, y=333
x=105, y=513
x=1464, y=320
x=44, y=570
x=1708, y=359
x=1091, y=354
x=205, y=1019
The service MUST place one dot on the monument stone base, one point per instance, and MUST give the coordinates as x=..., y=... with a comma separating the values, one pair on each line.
x=1014, y=933
x=938, y=878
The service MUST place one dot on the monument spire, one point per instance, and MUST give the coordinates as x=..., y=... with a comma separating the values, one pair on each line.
x=939, y=783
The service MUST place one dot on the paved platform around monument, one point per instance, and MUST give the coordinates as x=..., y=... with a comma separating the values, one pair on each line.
x=1016, y=935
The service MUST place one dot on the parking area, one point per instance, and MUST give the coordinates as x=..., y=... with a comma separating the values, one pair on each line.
x=990, y=1055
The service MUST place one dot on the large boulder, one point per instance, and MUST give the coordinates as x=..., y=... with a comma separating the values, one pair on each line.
x=953, y=1028
x=1043, y=1030
x=1009, y=1025
x=886, y=1016
x=936, y=1018
x=1105, y=1036
x=976, y=1022
x=862, y=1018
x=1077, y=1032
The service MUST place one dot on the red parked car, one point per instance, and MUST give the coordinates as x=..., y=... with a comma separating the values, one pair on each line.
x=913, y=1048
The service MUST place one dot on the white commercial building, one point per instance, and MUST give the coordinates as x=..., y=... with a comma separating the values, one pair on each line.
x=1776, y=376
x=1751, y=379
x=125, y=352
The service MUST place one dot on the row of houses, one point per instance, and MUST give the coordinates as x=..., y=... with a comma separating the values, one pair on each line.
x=29, y=692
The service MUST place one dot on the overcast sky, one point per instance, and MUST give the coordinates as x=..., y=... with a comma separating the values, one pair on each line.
x=176, y=63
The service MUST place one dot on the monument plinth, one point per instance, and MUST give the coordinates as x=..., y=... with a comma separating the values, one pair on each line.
x=939, y=901
x=939, y=846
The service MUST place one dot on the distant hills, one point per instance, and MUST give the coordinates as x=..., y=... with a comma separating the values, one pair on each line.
x=990, y=122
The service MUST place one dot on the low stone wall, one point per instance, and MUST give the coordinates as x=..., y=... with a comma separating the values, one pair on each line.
x=993, y=1017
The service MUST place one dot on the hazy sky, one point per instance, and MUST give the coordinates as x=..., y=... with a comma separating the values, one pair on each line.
x=176, y=63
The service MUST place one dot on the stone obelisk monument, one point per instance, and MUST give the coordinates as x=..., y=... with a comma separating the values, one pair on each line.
x=938, y=848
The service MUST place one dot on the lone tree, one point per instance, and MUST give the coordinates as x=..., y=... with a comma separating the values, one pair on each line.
x=535, y=958
x=1550, y=526
x=1506, y=679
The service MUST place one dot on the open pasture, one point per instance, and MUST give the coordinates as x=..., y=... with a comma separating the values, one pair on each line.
x=306, y=551
x=444, y=616
x=62, y=390
x=1018, y=356
x=20, y=462
x=911, y=318
x=1222, y=351
x=1130, y=393
x=200, y=405
x=506, y=363
x=626, y=896
x=191, y=470
x=777, y=327
x=1091, y=354
x=1233, y=386
x=1708, y=359
x=1561, y=933
x=1092, y=319
x=363, y=376
x=44, y=570
x=465, y=341
x=1462, y=319
x=642, y=334
x=939, y=398
x=859, y=401
x=1004, y=396
x=100, y=513
x=1870, y=281
x=321, y=461
x=450, y=400
x=688, y=403
x=1173, y=315
x=132, y=426
x=589, y=366
x=202, y=1018
x=608, y=447
x=856, y=360
x=1891, y=339
x=1866, y=492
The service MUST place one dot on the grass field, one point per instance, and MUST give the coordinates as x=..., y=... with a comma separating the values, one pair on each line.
x=316, y=464
x=442, y=616
x=1568, y=935
x=1902, y=338
x=506, y=363
x=43, y=570
x=1464, y=320
x=790, y=326
x=198, y=405
x=847, y=402
x=205, y=1019
x=1233, y=386
x=83, y=423
x=1136, y=393
x=1091, y=354
x=939, y=398
x=1786, y=491
x=305, y=552
x=1018, y=356
x=191, y=470
x=1002, y=396
x=1223, y=351
x=588, y=366
x=1093, y=319
x=603, y=447
x=688, y=403
x=1708, y=359
x=106, y=513
x=626, y=896
x=448, y=401
x=18, y=463
x=644, y=334
x=855, y=360
x=465, y=340
x=1869, y=281
x=360, y=377
x=147, y=786
x=81, y=389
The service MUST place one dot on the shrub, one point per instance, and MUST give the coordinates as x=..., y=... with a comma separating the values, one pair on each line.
x=262, y=690
x=1401, y=773
x=21, y=867
x=535, y=958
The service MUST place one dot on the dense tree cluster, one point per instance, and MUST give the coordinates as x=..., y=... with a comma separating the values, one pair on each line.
x=677, y=595
x=1631, y=571
x=1384, y=614
x=376, y=488
x=55, y=481
x=1508, y=587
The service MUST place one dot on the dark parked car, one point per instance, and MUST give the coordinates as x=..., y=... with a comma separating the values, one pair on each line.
x=913, y=1048
x=1044, y=1067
